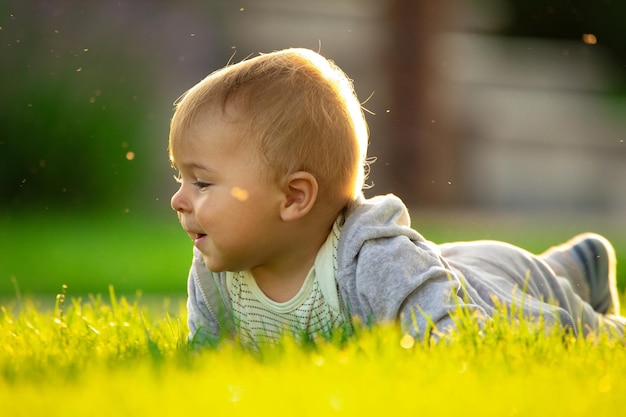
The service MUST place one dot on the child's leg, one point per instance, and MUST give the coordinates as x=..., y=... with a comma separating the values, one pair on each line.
x=588, y=262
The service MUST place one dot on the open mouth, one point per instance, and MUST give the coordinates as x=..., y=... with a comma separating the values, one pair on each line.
x=196, y=236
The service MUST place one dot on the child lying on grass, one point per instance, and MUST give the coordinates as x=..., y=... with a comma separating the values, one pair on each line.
x=271, y=156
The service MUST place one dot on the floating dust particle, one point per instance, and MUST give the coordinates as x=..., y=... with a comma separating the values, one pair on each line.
x=590, y=38
x=239, y=193
x=130, y=155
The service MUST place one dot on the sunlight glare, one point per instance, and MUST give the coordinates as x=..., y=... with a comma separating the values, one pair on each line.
x=239, y=193
x=318, y=360
x=235, y=393
x=407, y=341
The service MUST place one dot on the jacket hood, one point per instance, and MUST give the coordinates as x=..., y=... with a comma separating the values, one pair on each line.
x=378, y=217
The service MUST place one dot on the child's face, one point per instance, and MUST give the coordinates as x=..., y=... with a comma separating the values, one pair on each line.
x=227, y=206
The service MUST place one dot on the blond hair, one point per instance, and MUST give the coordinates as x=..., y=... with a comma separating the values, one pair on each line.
x=298, y=108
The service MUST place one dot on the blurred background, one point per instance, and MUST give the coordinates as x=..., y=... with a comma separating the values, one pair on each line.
x=501, y=119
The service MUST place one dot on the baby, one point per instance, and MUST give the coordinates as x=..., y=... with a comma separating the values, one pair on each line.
x=271, y=156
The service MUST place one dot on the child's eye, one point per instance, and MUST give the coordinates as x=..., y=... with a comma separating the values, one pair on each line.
x=201, y=185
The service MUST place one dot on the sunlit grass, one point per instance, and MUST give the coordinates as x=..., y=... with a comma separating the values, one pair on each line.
x=114, y=357
x=106, y=355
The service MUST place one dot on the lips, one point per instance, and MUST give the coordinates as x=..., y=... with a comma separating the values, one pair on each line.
x=197, y=239
x=196, y=236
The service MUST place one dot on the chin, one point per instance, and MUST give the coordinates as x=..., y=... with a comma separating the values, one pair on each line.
x=212, y=265
x=216, y=266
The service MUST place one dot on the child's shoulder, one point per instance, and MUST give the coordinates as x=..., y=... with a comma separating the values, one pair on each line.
x=383, y=216
x=378, y=210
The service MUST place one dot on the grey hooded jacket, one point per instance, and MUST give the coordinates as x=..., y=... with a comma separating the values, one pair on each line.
x=388, y=272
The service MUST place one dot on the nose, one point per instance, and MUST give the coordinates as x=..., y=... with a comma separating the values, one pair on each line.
x=179, y=202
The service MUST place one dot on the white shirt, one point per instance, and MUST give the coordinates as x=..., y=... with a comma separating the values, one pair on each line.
x=315, y=309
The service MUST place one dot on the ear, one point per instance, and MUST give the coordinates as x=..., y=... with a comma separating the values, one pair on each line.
x=300, y=195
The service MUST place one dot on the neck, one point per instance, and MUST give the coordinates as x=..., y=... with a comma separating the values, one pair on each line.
x=281, y=280
x=278, y=286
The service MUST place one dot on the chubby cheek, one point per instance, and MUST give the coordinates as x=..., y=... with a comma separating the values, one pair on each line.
x=210, y=216
x=227, y=213
x=203, y=218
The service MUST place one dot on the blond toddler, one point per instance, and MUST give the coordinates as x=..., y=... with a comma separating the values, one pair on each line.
x=271, y=156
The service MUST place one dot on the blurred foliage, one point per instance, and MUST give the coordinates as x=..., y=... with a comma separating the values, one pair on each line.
x=72, y=108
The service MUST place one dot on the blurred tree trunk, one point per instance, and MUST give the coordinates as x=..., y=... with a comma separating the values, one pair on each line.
x=422, y=152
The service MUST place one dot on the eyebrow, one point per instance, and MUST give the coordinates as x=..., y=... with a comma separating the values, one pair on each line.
x=192, y=165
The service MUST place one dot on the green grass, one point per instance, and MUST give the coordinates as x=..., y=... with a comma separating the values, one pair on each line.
x=112, y=357
x=88, y=252
x=118, y=358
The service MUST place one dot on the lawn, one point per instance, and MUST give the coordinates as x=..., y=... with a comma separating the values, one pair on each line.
x=132, y=251
x=112, y=357
x=92, y=352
